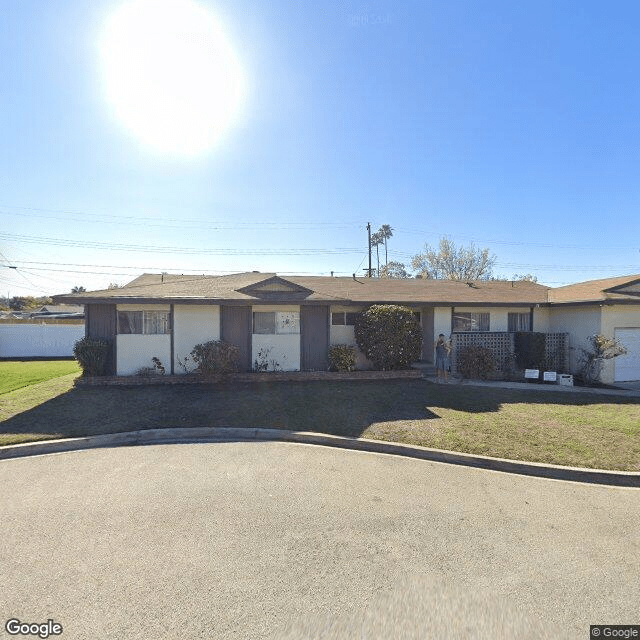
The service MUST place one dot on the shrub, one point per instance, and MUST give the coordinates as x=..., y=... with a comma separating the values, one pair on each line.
x=342, y=357
x=592, y=360
x=157, y=369
x=476, y=362
x=530, y=349
x=216, y=358
x=91, y=354
x=389, y=335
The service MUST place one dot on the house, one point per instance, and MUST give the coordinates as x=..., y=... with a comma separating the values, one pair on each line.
x=291, y=322
x=49, y=332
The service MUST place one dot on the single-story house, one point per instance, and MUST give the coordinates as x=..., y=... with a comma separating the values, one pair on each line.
x=290, y=322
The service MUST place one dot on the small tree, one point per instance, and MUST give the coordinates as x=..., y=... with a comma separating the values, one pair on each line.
x=78, y=290
x=389, y=335
x=592, y=360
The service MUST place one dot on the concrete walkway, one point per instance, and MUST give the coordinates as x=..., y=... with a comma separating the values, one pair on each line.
x=630, y=389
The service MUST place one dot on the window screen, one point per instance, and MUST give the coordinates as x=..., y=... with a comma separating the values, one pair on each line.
x=470, y=321
x=144, y=322
x=280, y=322
x=519, y=322
x=264, y=322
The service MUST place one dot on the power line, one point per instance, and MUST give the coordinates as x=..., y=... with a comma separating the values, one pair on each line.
x=112, y=246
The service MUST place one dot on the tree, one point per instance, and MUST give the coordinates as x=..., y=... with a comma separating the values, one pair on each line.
x=450, y=262
x=376, y=241
x=18, y=303
x=385, y=232
x=525, y=277
x=389, y=335
x=395, y=270
x=78, y=290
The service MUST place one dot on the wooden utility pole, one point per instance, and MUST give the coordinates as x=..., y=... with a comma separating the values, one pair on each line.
x=369, y=231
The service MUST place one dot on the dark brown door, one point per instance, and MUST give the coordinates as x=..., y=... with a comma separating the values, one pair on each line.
x=236, y=329
x=314, y=339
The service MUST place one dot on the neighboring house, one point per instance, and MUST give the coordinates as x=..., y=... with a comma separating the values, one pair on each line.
x=51, y=331
x=292, y=321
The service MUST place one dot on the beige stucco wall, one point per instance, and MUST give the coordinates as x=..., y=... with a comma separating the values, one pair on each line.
x=617, y=317
x=579, y=322
x=284, y=349
x=541, y=319
x=135, y=351
x=192, y=325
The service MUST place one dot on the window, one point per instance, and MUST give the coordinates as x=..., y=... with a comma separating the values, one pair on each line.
x=276, y=322
x=144, y=322
x=519, y=322
x=344, y=318
x=470, y=321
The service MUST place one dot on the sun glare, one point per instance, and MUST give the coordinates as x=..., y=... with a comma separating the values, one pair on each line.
x=171, y=75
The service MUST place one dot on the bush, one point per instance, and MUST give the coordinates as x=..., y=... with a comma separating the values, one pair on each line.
x=592, y=360
x=216, y=358
x=342, y=357
x=530, y=349
x=92, y=354
x=389, y=335
x=476, y=362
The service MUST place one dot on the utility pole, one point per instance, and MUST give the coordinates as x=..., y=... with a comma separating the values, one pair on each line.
x=369, y=232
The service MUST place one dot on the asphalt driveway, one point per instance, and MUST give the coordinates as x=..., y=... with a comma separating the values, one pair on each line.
x=282, y=540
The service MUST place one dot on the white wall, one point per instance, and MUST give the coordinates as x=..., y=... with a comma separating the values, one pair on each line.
x=579, y=322
x=284, y=348
x=192, y=325
x=134, y=351
x=344, y=334
x=38, y=340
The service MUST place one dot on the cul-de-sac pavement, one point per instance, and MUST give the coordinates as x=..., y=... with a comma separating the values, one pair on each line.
x=284, y=540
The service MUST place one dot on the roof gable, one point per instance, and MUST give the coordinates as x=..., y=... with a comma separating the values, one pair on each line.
x=631, y=288
x=276, y=287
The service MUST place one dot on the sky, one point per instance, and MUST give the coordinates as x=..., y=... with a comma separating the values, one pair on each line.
x=222, y=136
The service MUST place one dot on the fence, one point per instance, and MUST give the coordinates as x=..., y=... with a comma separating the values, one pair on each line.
x=38, y=340
x=502, y=346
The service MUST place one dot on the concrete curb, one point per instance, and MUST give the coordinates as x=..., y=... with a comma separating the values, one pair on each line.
x=222, y=434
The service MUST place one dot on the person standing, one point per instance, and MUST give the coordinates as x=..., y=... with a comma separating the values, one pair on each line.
x=443, y=349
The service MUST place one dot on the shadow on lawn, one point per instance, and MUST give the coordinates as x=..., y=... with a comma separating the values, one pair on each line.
x=341, y=408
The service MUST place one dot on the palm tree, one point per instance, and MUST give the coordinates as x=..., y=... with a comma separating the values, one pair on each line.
x=78, y=290
x=376, y=240
x=385, y=232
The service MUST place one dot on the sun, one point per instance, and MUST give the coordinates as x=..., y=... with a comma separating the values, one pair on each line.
x=170, y=74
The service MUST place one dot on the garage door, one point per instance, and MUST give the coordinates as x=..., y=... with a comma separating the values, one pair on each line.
x=628, y=365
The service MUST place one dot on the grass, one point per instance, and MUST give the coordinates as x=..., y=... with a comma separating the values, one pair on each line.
x=24, y=373
x=574, y=429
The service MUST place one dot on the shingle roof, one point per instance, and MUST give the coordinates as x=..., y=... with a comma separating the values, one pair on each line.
x=164, y=287
x=596, y=290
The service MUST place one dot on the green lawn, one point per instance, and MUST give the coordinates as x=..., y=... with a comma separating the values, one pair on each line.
x=574, y=429
x=17, y=374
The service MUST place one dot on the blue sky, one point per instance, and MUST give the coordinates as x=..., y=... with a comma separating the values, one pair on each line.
x=512, y=125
